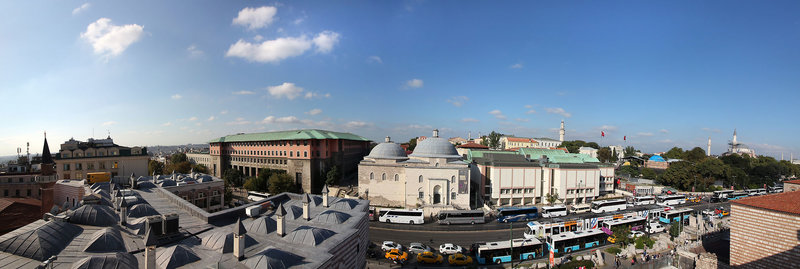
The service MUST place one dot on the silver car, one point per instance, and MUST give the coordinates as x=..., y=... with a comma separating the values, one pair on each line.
x=417, y=248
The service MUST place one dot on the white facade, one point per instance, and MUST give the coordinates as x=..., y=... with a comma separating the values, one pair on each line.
x=547, y=143
x=588, y=151
x=512, y=186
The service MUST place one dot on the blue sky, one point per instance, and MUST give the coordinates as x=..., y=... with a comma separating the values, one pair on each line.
x=662, y=73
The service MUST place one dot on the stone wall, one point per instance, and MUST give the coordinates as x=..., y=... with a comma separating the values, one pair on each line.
x=763, y=238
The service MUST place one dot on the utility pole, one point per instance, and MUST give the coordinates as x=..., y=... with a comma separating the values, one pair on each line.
x=511, y=240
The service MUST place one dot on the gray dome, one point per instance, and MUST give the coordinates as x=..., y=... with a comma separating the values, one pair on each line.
x=435, y=147
x=119, y=260
x=106, y=240
x=388, y=150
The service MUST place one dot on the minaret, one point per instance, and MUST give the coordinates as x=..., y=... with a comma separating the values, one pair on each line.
x=734, y=137
x=280, y=214
x=325, y=195
x=238, y=240
x=435, y=132
x=561, y=132
x=306, y=208
x=708, y=152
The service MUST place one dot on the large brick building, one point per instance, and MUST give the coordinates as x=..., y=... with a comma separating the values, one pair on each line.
x=765, y=231
x=305, y=154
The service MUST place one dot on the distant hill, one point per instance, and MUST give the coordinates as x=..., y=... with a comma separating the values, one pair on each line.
x=167, y=150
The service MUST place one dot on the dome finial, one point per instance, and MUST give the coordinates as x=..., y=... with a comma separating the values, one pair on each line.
x=388, y=139
x=435, y=132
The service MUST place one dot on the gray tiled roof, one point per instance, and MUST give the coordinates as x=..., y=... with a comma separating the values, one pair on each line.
x=435, y=147
x=141, y=210
x=41, y=243
x=106, y=240
x=119, y=260
x=388, y=150
x=97, y=215
x=223, y=241
x=175, y=256
x=309, y=236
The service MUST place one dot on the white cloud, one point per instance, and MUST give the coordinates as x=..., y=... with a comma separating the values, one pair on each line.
x=223, y=112
x=255, y=18
x=608, y=128
x=314, y=111
x=299, y=20
x=194, y=52
x=109, y=123
x=111, y=40
x=714, y=130
x=287, y=89
x=176, y=96
x=81, y=8
x=418, y=126
x=167, y=124
x=415, y=83
x=665, y=141
x=356, y=124
x=458, y=100
x=528, y=106
x=310, y=95
x=374, y=59
x=287, y=119
x=530, y=111
x=664, y=131
x=644, y=134
x=469, y=120
x=239, y=121
x=498, y=114
x=558, y=111
x=193, y=119
x=211, y=118
x=270, y=51
x=522, y=120
x=243, y=93
x=516, y=66
x=258, y=38
x=325, y=41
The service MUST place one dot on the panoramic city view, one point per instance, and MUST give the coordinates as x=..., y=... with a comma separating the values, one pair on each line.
x=399, y=134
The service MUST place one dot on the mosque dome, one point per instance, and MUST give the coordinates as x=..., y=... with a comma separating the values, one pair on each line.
x=388, y=150
x=435, y=147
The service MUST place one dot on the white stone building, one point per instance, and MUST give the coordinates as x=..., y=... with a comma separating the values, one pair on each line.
x=434, y=176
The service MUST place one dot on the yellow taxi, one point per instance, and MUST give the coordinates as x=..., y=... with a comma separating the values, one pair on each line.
x=397, y=255
x=459, y=259
x=612, y=239
x=694, y=199
x=429, y=257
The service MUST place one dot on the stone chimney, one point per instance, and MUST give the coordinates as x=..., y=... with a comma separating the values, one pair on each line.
x=435, y=132
x=238, y=240
x=123, y=212
x=306, y=207
x=280, y=213
x=325, y=193
x=150, y=243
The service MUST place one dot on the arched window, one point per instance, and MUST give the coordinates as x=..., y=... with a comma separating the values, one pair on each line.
x=453, y=179
x=383, y=177
x=420, y=179
x=371, y=176
x=396, y=177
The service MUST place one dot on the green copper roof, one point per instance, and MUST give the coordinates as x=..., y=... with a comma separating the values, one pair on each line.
x=288, y=135
x=558, y=156
x=479, y=153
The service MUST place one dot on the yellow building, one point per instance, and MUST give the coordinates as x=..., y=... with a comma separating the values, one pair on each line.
x=518, y=142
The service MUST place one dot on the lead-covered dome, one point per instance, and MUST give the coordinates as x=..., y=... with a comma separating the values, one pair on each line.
x=388, y=150
x=435, y=147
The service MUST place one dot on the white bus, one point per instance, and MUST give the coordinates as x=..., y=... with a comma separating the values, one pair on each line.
x=754, y=192
x=668, y=200
x=644, y=200
x=608, y=206
x=554, y=211
x=461, y=217
x=635, y=223
x=720, y=196
x=402, y=216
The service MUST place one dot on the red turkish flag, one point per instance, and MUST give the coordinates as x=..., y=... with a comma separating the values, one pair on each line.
x=602, y=134
x=624, y=138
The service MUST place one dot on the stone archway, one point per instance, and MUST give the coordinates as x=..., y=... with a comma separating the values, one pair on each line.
x=437, y=194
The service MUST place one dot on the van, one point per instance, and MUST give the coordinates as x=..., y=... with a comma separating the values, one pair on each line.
x=655, y=227
x=581, y=208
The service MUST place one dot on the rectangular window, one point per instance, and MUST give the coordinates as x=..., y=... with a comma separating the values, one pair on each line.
x=29, y=192
x=66, y=167
x=305, y=153
x=5, y=193
x=453, y=196
x=421, y=195
x=78, y=166
x=17, y=193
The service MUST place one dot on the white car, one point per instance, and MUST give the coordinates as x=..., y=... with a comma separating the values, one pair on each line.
x=655, y=227
x=417, y=248
x=708, y=212
x=387, y=245
x=635, y=234
x=448, y=249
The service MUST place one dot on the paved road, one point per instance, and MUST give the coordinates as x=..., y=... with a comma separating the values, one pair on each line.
x=464, y=235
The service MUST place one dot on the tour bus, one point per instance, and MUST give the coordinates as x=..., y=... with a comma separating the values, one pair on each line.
x=775, y=189
x=737, y=195
x=675, y=215
x=461, y=217
x=720, y=196
x=402, y=216
x=580, y=208
x=501, y=251
x=644, y=200
x=554, y=211
x=754, y=192
x=608, y=206
x=575, y=241
x=517, y=214
x=635, y=224
x=669, y=200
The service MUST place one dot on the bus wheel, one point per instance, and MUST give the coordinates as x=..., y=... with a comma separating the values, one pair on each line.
x=388, y=221
x=472, y=222
x=410, y=222
x=569, y=250
x=448, y=223
x=498, y=261
x=530, y=257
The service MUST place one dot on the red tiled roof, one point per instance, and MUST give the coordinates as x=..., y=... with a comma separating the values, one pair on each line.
x=796, y=181
x=788, y=202
x=520, y=139
x=472, y=145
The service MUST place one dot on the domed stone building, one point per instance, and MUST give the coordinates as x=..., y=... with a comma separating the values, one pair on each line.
x=433, y=177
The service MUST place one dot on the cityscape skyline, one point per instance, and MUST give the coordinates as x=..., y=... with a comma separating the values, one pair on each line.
x=659, y=74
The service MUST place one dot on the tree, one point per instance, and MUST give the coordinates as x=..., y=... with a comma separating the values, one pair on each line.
x=333, y=176
x=178, y=158
x=678, y=175
x=649, y=173
x=155, y=167
x=260, y=183
x=494, y=140
x=604, y=154
x=674, y=153
x=233, y=177
x=181, y=167
x=200, y=168
x=622, y=234
x=412, y=144
x=551, y=198
x=695, y=155
x=575, y=145
x=629, y=151
x=614, y=155
x=675, y=230
x=281, y=182
x=628, y=170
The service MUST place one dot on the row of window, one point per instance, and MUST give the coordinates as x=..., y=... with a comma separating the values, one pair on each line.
x=516, y=191
x=579, y=191
x=397, y=177
x=90, y=166
x=267, y=144
x=254, y=160
x=276, y=153
x=16, y=193
x=88, y=154
x=19, y=180
x=422, y=195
